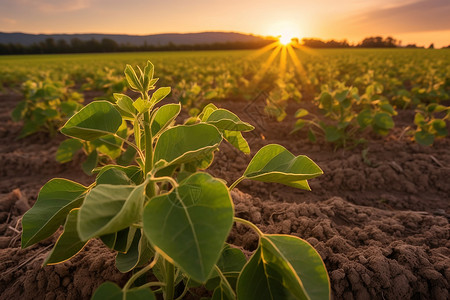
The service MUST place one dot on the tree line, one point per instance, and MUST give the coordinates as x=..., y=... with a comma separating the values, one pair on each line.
x=75, y=45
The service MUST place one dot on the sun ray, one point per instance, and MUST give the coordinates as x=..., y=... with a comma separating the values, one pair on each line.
x=264, y=49
x=283, y=60
x=298, y=65
x=258, y=76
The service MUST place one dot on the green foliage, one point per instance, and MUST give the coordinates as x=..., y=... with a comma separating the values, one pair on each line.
x=346, y=114
x=431, y=123
x=47, y=105
x=162, y=214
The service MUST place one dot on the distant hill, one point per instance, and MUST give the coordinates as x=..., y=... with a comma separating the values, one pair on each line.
x=136, y=40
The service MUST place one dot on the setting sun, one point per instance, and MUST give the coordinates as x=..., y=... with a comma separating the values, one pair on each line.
x=285, y=39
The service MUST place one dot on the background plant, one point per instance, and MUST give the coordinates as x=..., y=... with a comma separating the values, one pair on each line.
x=47, y=105
x=164, y=215
x=431, y=123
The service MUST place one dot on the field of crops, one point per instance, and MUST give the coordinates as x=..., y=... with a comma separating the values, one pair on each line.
x=376, y=122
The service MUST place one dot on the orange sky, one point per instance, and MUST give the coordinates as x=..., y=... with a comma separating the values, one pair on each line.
x=411, y=21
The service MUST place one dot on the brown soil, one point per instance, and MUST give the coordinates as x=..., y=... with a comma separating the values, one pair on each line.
x=381, y=223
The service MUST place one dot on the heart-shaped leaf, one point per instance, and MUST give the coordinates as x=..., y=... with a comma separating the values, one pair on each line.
x=96, y=119
x=110, y=208
x=284, y=267
x=273, y=163
x=197, y=215
x=55, y=200
x=184, y=143
x=68, y=243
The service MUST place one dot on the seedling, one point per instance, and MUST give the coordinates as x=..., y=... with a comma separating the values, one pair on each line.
x=47, y=105
x=164, y=215
x=429, y=125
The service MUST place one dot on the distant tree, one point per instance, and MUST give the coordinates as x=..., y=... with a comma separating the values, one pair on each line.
x=431, y=46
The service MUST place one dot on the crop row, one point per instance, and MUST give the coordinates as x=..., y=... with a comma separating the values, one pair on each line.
x=353, y=90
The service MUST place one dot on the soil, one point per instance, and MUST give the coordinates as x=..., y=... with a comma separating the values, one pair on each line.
x=380, y=220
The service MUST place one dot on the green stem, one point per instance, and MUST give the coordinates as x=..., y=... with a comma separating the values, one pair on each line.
x=170, y=280
x=148, y=164
x=150, y=284
x=186, y=289
x=224, y=279
x=236, y=183
x=250, y=224
x=140, y=272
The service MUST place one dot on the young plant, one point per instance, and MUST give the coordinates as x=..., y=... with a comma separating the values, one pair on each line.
x=47, y=105
x=429, y=125
x=346, y=115
x=164, y=215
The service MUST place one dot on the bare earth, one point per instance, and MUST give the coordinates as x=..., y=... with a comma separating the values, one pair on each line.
x=380, y=223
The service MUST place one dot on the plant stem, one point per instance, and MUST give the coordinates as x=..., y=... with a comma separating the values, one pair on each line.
x=250, y=224
x=236, y=183
x=170, y=280
x=140, y=272
x=148, y=164
x=186, y=289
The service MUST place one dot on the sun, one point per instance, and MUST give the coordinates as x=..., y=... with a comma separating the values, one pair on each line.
x=285, y=39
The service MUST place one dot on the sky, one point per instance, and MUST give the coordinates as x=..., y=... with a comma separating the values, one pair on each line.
x=411, y=21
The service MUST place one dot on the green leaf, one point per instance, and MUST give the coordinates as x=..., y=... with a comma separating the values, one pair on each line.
x=141, y=105
x=55, y=200
x=332, y=134
x=113, y=176
x=222, y=292
x=90, y=163
x=424, y=138
x=419, y=119
x=110, y=208
x=121, y=240
x=273, y=163
x=341, y=96
x=305, y=261
x=236, y=139
x=125, y=103
x=184, y=143
x=148, y=76
x=111, y=291
x=311, y=136
x=223, y=119
x=207, y=111
x=364, y=118
x=384, y=120
x=388, y=108
x=164, y=116
x=96, y=119
x=231, y=262
x=68, y=243
x=440, y=126
x=125, y=262
x=301, y=113
x=197, y=215
x=132, y=172
x=19, y=112
x=132, y=79
x=159, y=95
x=67, y=150
x=284, y=267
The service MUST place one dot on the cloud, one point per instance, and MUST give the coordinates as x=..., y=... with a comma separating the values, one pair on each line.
x=55, y=6
x=423, y=15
